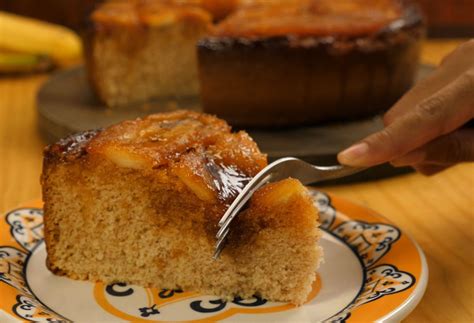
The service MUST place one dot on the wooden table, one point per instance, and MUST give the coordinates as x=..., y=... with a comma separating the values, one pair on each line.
x=438, y=211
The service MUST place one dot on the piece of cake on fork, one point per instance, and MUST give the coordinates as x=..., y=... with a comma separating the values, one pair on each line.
x=139, y=202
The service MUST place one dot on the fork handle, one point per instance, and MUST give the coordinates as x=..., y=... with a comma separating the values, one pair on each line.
x=333, y=172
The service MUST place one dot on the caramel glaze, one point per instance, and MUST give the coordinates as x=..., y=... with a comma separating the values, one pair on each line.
x=153, y=12
x=228, y=180
x=310, y=18
x=70, y=148
x=364, y=30
x=159, y=140
x=194, y=148
x=263, y=18
x=142, y=13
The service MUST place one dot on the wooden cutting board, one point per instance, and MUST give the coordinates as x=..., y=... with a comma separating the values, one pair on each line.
x=67, y=105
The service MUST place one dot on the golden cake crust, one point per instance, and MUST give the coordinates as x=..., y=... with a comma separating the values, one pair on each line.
x=161, y=139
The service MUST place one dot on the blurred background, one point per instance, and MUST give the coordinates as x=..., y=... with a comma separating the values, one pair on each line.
x=453, y=18
x=446, y=19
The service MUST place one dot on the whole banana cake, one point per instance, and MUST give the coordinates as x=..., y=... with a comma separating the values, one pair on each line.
x=257, y=62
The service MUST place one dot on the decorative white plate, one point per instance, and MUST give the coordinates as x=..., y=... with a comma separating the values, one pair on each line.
x=372, y=272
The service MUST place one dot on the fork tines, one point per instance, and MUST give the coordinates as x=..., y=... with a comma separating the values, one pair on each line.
x=263, y=177
x=279, y=169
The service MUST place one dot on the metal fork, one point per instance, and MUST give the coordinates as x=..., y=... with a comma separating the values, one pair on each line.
x=278, y=170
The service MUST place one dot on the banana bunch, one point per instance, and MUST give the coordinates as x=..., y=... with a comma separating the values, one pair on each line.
x=28, y=45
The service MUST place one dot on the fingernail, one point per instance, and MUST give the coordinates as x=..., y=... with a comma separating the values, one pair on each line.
x=355, y=154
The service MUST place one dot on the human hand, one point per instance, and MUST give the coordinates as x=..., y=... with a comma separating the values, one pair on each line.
x=423, y=129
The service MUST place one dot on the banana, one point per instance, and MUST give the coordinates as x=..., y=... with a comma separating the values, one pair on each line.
x=24, y=63
x=30, y=36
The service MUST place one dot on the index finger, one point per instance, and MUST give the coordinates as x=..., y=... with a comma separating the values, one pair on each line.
x=440, y=114
x=453, y=65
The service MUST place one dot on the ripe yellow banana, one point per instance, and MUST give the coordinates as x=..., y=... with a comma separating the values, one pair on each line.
x=30, y=36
